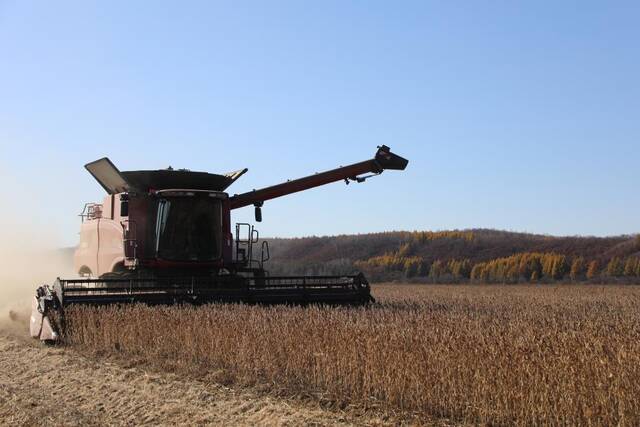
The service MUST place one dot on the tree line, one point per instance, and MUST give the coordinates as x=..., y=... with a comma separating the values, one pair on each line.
x=477, y=256
x=525, y=267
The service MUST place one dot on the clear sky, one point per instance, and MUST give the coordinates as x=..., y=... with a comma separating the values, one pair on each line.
x=515, y=115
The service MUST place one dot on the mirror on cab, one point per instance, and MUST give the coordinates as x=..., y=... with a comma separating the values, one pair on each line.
x=258, y=214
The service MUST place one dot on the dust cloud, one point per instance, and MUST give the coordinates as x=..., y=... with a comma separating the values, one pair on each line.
x=28, y=259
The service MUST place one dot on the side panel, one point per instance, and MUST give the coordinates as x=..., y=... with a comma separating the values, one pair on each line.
x=86, y=254
x=141, y=220
x=111, y=249
x=101, y=243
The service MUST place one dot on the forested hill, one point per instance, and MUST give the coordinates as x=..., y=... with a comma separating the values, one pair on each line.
x=469, y=255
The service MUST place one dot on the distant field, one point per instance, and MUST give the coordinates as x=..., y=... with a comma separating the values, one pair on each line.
x=480, y=354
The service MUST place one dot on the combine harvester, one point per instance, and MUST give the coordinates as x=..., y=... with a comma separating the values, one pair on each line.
x=165, y=237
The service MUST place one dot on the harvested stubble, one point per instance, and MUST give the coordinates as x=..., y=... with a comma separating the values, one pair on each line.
x=482, y=354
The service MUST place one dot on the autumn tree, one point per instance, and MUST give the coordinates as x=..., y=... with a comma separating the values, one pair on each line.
x=547, y=265
x=593, y=270
x=423, y=270
x=465, y=268
x=536, y=268
x=577, y=268
x=405, y=250
x=437, y=270
x=411, y=266
x=512, y=273
x=615, y=268
x=477, y=271
x=559, y=267
x=630, y=266
x=460, y=269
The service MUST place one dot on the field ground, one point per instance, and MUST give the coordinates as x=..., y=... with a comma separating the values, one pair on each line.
x=57, y=386
x=427, y=354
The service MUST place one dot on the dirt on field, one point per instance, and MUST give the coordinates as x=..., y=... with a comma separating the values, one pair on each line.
x=55, y=386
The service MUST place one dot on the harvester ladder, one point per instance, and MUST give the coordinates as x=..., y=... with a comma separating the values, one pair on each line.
x=244, y=246
x=130, y=242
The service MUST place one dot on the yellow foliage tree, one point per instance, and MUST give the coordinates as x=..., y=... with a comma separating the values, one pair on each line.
x=615, y=268
x=593, y=270
x=630, y=266
x=577, y=268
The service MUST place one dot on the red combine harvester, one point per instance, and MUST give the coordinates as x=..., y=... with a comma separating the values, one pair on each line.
x=165, y=237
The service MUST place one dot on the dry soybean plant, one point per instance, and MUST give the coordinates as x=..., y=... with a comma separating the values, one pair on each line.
x=480, y=354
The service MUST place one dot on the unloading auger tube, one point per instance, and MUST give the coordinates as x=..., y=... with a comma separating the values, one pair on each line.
x=165, y=237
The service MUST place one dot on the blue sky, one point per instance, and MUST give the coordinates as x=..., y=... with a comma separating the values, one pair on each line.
x=515, y=115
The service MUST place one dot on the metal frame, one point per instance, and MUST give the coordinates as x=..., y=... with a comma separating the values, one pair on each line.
x=350, y=290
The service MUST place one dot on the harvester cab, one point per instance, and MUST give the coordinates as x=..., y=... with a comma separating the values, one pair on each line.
x=166, y=237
